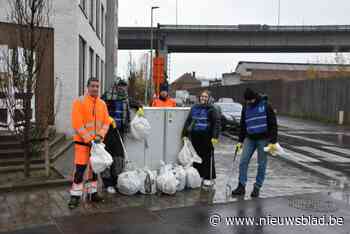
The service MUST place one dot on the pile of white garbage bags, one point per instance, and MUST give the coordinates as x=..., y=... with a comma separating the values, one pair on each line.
x=171, y=178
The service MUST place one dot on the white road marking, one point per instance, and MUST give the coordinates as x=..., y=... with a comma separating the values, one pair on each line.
x=337, y=149
x=306, y=139
x=299, y=157
x=325, y=155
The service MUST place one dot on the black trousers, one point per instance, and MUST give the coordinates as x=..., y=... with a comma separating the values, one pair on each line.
x=115, y=148
x=201, y=142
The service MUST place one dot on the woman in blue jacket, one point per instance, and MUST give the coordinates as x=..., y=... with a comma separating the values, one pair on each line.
x=202, y=127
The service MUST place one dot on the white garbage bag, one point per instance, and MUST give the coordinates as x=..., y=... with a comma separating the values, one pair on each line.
x=166, y=181
x=193, y=179
x=100, y=159
x=279, y=151
x=129, y=183
x=140, y=128
x=165, y=167
x=148, y=186
x=180, y=175
x=188, y=154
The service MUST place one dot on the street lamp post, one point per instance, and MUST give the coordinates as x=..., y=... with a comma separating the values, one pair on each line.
x=176, y=12
x=151, y=52
x=279, y=12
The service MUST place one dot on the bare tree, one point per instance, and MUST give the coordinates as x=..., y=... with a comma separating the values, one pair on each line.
x=137, y=84
x=24, y=66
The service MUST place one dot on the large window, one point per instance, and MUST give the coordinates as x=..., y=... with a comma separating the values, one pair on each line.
x=92, y=4
x=82, y=47
x=91, y=55
x=97, y=68
x=102, y=24
x=98, y=21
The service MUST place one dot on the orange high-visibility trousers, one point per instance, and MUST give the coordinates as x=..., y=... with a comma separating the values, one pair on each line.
x=81, y=154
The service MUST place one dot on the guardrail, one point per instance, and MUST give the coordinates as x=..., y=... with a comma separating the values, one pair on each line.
x=257, y=27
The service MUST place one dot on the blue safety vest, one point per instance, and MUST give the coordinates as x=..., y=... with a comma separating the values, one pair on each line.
x=119, y=113
x=256, y=118
x=200, y=118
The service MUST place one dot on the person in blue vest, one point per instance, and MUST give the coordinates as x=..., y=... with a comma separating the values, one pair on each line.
x=119, y=105
x=258, y=130
x=202, y=126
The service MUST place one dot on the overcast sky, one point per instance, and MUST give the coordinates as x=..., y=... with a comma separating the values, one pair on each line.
x=230, y=12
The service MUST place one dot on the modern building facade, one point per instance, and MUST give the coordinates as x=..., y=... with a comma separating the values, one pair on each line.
x=84, y=46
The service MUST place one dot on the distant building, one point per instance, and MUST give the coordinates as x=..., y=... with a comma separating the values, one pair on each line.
x=215, y=83
x=260, y=71
x=231, y=78
x=185, y=82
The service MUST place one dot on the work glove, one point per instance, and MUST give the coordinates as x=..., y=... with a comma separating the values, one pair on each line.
x=140, y=112
x=271, y=149
x=214, y=141
x=113, y=123
x=238, y=148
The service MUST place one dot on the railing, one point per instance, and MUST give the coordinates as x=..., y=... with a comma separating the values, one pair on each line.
x=256, y=27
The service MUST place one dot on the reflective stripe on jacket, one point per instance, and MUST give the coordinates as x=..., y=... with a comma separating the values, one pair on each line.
x=89, y=118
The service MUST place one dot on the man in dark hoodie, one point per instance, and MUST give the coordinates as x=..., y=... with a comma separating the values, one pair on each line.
x=119, y=105
x=258, y=130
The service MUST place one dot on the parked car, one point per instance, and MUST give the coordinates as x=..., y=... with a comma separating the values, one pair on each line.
x=225, y=100
x=230, y=115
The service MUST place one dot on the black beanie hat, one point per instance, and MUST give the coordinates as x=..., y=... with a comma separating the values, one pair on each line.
x=122, y=83
x=250, y=94
x=164, y=87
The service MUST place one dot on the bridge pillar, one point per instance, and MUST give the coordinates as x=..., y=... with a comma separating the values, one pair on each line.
x=162, y=50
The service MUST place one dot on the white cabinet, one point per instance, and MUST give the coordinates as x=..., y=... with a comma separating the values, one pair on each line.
x=164, y=142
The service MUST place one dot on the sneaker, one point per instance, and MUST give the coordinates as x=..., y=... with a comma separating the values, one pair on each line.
x=74, y=202
x=207, y=183
x=111, y=190
x=239, y=191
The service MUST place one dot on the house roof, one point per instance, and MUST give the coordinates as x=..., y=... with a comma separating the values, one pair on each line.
x=186, y=78
x=244, y=65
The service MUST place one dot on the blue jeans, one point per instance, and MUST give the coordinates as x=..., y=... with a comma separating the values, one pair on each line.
x=249, y=146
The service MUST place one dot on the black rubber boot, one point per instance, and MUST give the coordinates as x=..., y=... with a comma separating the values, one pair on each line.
x=96, y=198
x=74, y=202
x=239, y=191
x=255, y=192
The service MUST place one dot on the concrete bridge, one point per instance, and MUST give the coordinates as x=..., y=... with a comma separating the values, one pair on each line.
x=247, y=38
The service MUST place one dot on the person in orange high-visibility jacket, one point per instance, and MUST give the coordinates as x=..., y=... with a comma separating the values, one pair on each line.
x=90, y=121
x=164, y=100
